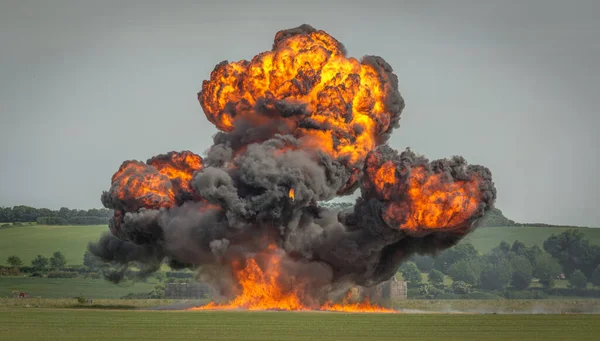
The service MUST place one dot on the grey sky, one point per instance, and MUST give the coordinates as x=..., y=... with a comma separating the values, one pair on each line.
x=512, y=85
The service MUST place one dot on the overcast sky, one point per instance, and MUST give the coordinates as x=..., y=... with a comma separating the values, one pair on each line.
x=513, y=85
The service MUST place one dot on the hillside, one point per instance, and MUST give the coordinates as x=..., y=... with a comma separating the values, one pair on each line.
x=29, y=241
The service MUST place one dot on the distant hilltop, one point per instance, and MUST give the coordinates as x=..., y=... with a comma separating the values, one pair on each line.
x=492, y=218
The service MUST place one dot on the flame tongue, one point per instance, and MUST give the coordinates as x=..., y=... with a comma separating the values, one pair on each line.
x=268, y=288
x=332, y=103
x=300, y=123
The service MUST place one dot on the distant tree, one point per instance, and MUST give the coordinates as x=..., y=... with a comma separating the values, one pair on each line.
x=90, y=261
x=40, y=263
x=57, y=261
x=460, y=287
x=496, y=276
x=578, y=280
x=411, y=273
x=532, y=253
x=424, y=263
x=522, y=272
x=14, y=261
x=436, y=277
x=460, y=252
x=466, y=271
x=518, y=248
x=546, y=270
x=573, y=250
x=595, y=279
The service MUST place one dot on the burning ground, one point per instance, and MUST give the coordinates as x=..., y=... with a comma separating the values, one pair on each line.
x=298, y=124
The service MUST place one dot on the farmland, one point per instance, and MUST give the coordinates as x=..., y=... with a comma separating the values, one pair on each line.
x=29, y=241
x=70, y=287
x=74, y=324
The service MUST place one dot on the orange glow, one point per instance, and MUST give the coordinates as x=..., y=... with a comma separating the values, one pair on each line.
x=179, y=167
x=267, y=288
x=138, y=183
x=291, y=194
x=435, y=202
x=342, y=99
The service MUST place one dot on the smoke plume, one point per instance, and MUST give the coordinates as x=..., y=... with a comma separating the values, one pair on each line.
x=298, y=125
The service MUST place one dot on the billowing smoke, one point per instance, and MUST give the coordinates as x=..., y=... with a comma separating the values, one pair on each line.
x=300, y=124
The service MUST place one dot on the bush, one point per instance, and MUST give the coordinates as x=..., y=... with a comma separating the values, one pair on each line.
x=496, y=276
x=596, y=276
x=62, y=274
x=177, y=274
x=430, y=291
x=578, y=280
x=526, y=294
x=436, y=277
x=81, y=299
x=37, y=274
x=411, y=274
x=522, y=272
x=461, y=288
x=467, y=271
x=577, y=292
x=546, y=269
x=9, y=271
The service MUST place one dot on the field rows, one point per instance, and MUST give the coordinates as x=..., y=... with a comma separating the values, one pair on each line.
x=53, y=324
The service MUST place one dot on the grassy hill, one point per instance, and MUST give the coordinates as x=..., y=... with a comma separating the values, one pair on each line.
x=486, y=238
x=29, y=241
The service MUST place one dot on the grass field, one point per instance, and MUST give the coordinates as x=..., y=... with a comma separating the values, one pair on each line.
x=74, y=324
x=70, y=287
x=29, y=241
x=484, y=239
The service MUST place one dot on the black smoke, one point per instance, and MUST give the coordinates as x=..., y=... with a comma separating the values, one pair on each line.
x=245, y=206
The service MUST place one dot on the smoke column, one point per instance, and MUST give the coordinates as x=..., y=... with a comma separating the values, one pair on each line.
x=299, y=124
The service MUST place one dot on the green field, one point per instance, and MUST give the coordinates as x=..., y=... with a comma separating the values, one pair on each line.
x=70, y=287
x=486, y=238
x=77, y=324
x=29, y=241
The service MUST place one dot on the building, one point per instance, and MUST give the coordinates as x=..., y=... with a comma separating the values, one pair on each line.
x=391, y=289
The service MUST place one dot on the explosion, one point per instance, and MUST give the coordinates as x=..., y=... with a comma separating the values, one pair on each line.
x=299, y=124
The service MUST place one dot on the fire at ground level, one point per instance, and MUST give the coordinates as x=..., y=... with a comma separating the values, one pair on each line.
x=357, y=299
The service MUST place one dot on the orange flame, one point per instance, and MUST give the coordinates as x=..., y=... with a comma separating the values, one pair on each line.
x=143, y=186
x=340, y=100
x=435, y=202
x=154, y=184
x=179, y=167
x=420, y=199
x=291, y=194
x=265, y=289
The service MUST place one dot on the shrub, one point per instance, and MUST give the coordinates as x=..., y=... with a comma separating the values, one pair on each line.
x=596, y=276
x=577, y=280
x=522, y=272
x=62, y=274
x=460, y=287
x=496, y=276
x=436, y=277
x=411, y=274
x=467, y=271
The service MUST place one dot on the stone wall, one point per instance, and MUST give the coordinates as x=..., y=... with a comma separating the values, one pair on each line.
x=392, y=289
x=188, y=290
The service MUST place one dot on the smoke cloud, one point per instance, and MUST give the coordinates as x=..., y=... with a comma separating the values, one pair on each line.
x=300, y=124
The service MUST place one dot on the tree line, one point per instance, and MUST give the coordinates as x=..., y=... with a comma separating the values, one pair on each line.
x=63, y=216
x=505, y=268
